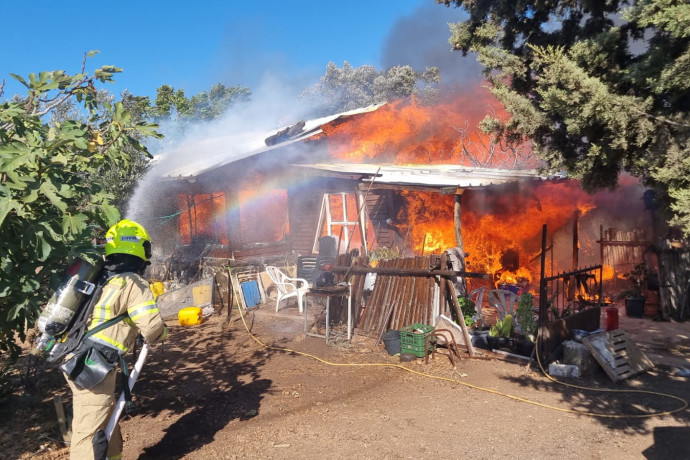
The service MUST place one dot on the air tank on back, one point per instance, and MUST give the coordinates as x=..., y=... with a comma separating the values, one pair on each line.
x=76, y=284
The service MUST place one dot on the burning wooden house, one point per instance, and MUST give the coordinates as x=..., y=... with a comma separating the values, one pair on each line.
x=391, y=178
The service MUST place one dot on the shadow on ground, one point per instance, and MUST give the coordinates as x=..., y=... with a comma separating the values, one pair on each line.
x=198, y=375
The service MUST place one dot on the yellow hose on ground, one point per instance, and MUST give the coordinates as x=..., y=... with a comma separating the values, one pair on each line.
x=684, y=403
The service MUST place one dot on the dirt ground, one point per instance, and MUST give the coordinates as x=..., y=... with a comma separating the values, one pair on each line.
x=213, y=392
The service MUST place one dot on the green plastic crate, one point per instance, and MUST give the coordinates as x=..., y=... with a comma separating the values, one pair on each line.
x=413, y=342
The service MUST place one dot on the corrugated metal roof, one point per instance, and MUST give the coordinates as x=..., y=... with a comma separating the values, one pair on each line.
x=213, y=153
x=431, y=175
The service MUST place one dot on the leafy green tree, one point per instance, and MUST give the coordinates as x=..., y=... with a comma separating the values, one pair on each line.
x=203, y=106
x=53, y=201
x=348, y=88
x=120, y=182
x=600, y=87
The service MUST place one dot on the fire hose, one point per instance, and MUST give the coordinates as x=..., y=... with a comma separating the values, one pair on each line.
x=102, y=438
x=683, y=406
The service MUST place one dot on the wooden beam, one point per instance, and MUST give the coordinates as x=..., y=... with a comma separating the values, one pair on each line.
x=457, y=218
x=461, y=318
x=405, y=271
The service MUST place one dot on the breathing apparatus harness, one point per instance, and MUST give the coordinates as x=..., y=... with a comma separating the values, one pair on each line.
x=76, y=339
x=64, y=319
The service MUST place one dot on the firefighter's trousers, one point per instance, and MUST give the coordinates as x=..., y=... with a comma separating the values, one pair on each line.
x=91, y=412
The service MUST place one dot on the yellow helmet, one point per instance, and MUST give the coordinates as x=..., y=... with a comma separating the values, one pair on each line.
x=128, y=237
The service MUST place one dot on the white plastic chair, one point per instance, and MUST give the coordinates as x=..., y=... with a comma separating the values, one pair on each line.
x=503, y=301
x=288, y=287
x=477, y=296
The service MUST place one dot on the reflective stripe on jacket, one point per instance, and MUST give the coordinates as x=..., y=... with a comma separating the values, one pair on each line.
x=130, y=293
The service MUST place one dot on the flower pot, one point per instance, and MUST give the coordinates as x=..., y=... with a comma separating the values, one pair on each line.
x=634, y=307
x=496, y=343
x=479, y=339
x=524, y=347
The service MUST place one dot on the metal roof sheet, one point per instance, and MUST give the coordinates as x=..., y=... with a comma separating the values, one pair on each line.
x=432, y=175
x=209, y=154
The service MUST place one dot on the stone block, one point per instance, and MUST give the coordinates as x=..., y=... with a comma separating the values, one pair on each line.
x=564, y=370
x=578, y=354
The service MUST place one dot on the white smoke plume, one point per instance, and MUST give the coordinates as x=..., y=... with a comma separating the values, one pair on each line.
x=190, y=148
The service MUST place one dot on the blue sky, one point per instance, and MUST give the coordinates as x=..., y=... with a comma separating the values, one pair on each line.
x=193, y=45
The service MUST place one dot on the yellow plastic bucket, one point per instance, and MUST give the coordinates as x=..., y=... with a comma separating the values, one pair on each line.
x=190, y=316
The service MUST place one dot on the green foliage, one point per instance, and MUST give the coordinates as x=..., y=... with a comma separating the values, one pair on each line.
x=598, y=87
x=502, y=328
x=203, y=106
x=348, y=88
x=524, y=315
x=53, y=199
x=468, y=310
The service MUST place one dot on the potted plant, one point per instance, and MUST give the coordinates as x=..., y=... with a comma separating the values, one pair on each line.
x=499, y=334
x=635, y=294
x=527, y=325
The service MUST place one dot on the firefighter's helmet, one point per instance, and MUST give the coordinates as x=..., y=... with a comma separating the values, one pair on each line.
x=128, y=237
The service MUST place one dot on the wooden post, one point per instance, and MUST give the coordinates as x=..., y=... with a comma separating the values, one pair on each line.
x=190, y=208
x=601, y=244
x=359, y=212
x=442, y=285
x=457, y=218
x=543, y=301
x=572, y=281
x=461, y=318
x=232, y=219
x=576, y=239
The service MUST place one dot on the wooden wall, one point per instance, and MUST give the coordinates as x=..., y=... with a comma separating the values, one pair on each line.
x=379, y=209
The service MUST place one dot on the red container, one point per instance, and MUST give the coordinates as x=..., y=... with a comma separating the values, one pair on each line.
x=611, y=318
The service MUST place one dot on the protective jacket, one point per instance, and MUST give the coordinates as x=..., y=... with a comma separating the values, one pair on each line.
x=130, y=293
x=123, y=293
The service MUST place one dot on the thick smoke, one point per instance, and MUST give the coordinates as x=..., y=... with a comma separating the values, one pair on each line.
x=421, y=40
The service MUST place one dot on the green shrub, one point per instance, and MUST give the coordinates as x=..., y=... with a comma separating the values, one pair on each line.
x=468, y=310
x=502, y=328
x=525, y=316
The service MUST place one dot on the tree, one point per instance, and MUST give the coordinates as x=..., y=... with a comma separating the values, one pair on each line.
x=597, y=87
x=348, y=88
x=203, y=106
x=120, y=182
x=53, y=201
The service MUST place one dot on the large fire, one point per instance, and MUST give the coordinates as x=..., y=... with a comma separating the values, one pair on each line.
x=406, y=132
x=262, y=216
x=199, y=217
x=494, y=221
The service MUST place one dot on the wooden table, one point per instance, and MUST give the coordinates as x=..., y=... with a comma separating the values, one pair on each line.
x=328, y=292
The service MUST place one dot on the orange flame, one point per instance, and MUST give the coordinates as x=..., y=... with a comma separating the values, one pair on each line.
x=521, y=275
x=406, y=132
x=607, y=273
x=491, y=223
x=200, y=217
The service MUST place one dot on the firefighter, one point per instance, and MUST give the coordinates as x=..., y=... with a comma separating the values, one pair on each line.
x=127, y=251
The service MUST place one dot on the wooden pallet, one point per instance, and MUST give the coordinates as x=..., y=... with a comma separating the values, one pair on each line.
x=617, y=354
